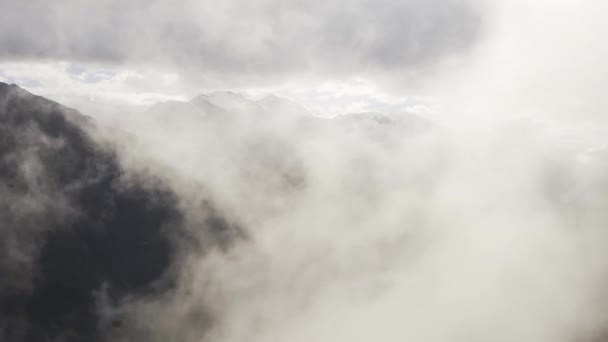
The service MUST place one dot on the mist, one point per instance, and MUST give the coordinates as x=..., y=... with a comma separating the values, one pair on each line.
x=253, y=210
x=358, y=229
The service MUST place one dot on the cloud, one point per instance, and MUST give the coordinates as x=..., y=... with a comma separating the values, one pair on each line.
x=541, y=59
x=242, y=40
x=363, y=229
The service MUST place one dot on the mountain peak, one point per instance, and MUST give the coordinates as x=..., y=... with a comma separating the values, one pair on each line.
x=13, y=89
x=27, y=106
x=228, y=100
x=276, y=103
x=6, y=85
x=222, y=95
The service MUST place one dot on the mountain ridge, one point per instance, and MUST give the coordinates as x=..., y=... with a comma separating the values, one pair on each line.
x=73, y=223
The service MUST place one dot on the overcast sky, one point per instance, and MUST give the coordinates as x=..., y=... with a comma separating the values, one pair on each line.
x=147, y=50
x=483, y=57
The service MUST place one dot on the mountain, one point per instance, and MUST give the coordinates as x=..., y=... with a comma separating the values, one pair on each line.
x=232, y=102
x=273, y=111
x=282, y=105
x=78, y=232
x=382, y=123
x=229, y=100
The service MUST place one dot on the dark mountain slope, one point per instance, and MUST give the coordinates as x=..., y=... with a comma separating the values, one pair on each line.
x=72, y=229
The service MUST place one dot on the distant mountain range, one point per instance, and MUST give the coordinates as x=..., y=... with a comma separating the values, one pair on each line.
x=273, y=109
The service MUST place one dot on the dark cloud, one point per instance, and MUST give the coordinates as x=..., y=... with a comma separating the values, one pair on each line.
x=260, y=38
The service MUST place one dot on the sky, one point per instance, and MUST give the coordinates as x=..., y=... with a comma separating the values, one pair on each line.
x=361, y=54
x=454, y=59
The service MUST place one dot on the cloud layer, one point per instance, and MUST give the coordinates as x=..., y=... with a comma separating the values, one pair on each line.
x=245, y=39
